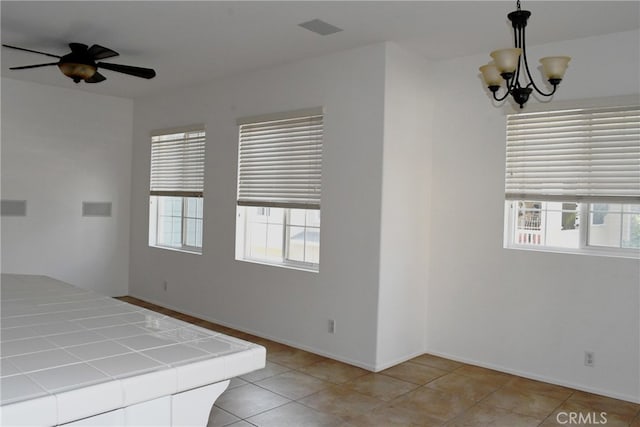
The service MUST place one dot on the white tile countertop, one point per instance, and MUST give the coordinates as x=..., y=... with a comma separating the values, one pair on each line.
x=67, y=353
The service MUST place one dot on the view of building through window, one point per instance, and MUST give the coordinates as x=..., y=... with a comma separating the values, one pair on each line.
x=281, y=235
x=557, y=224
x=179, y=221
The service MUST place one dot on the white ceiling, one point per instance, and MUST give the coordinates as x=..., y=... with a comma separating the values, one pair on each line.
x=192, y=42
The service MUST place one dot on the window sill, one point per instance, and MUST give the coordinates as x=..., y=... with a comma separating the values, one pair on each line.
x=592, y=251
x=299, y=267
x=173, y=249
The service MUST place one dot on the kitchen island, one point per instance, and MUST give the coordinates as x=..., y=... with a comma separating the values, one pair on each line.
x=74, y=357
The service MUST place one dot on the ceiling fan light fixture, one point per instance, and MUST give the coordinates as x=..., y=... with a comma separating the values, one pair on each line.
x=80, y=63
x=77, y=71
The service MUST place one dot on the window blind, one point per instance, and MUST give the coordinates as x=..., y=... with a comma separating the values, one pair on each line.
x=280, y=160
x=177, y=163
x=576, y=155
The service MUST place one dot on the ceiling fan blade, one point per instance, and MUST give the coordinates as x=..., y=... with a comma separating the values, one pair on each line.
x=33, y=66
x=145, y=73
x=32, y=51
x=101, y=52
x=96, y=78
x=78, y=47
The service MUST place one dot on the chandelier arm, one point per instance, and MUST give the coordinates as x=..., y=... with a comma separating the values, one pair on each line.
x=519, y=43
x=526, y=67
x=502, y=98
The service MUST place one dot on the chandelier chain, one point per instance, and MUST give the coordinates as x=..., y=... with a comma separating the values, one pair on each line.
x=518, y=4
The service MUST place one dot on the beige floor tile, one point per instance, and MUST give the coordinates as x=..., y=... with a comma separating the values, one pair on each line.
x=236, y=382
x=483, y=374
x=295, y=415
x=241, y=423
x=561, y=418
x=219, y=418
x=271, y=369
x=531, y=386
x=561, y=415
x=293, y=358
x=342, y=402
x=432, y=403
x=393, y=416
x=484, y=416
x=414, y=373
x=462, y=385
x=605, y=404
x=333, y=371
x=437, y=362
x=293, y=385
x=454, y=394
x=381, y=387
x=525, y=403
x=248, y=400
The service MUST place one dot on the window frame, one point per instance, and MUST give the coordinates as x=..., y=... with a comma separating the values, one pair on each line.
x=282, y=193
x=241, y=249
x=584, y=248
x=510, y=204
x=183, y=225
x=178, y=189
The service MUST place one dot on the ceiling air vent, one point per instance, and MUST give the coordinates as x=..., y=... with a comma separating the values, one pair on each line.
x=320, y=27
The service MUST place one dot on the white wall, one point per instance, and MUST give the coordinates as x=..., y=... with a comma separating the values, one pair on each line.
x=287, y=305
x=61, y=147
x=406, y=188
x=525, y=312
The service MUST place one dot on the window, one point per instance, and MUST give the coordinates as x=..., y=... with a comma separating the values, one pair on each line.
x=176, y=189
x=573, y=181
x=279, y=188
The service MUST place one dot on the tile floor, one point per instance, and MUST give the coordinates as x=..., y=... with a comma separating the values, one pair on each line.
x=298, y=388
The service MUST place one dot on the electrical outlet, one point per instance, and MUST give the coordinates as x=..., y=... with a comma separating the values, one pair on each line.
x=332, y=326
x=589, y=358
x=165, y=285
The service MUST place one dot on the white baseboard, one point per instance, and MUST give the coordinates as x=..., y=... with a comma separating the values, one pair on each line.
x=531, y=376
x=311, y=349
x=382, y=366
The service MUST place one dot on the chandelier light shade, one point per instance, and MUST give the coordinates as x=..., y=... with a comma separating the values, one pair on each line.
x=509, y=66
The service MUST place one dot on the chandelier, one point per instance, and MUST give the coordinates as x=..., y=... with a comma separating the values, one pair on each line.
x=509, y=65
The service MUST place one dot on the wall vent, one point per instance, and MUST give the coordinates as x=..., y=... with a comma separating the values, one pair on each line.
x=14, y=208
x=96, y=208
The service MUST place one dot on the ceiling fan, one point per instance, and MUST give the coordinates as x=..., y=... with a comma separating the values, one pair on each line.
x=80, y=63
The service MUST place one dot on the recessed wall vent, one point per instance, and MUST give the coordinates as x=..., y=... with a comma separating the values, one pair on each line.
x=96, y=208
x=14, y=208
x=320, y=27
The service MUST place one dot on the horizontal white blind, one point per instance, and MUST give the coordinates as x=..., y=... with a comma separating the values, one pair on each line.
x=574, y=155
x=177, y=163
x=280, y=162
